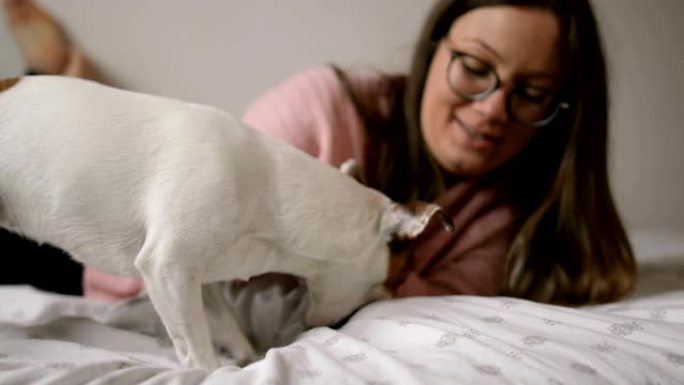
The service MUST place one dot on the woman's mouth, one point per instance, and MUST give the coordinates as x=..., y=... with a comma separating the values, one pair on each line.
x=478, y=139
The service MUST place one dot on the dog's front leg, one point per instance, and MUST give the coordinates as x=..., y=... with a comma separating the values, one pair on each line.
x=334, y=295
x=176, y=294
x=225, y=328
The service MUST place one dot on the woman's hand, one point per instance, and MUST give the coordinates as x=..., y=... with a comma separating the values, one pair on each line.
x=109, y=288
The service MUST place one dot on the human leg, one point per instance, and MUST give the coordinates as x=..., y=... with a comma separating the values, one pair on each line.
x=43, y=42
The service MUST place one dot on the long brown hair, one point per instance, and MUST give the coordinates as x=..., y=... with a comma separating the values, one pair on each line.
x=571, y=247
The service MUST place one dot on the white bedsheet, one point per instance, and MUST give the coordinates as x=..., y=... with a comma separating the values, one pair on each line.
x=52, y=339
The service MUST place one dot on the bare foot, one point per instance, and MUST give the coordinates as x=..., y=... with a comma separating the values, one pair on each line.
x=39, y=37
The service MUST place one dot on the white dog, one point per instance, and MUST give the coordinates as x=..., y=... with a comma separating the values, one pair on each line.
x=183, y=195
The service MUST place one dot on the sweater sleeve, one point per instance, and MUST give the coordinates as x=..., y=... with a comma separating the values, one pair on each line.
x=308, y=111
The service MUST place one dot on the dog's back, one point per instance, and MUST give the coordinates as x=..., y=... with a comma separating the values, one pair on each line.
x=91, y=168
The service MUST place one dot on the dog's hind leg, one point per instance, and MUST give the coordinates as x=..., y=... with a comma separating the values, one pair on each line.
x=175, y=290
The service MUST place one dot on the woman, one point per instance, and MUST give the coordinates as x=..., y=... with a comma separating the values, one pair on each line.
x=502, y=120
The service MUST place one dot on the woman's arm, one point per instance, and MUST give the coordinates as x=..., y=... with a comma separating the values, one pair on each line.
x=310, y=111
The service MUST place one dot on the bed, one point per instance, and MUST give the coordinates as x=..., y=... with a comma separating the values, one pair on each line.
x=47, y=338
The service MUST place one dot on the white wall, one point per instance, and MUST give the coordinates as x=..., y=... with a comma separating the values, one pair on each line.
x=645, y=44
x=225, y=52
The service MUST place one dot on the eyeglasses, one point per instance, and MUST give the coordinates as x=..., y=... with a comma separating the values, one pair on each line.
x=473, y=79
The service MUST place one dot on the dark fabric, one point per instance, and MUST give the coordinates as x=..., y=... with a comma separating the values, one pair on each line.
x=30, y=72
x=42, y=266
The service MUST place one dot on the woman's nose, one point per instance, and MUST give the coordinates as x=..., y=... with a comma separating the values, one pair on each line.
x=493, y=106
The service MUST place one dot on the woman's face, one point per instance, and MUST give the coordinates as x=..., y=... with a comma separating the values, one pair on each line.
x=522, y=46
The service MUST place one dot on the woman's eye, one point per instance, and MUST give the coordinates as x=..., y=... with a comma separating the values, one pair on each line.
x=534, y=95
x=479, y=72
x=475, y=67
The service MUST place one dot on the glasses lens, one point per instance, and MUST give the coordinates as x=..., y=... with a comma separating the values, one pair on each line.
x=473, y=79
x=470, y=77
x=532, y=109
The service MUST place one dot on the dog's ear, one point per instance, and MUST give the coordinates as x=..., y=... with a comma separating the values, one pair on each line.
x=403, y=222
x=352, y=168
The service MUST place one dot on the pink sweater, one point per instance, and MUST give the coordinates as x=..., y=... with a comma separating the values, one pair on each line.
x=311, y=112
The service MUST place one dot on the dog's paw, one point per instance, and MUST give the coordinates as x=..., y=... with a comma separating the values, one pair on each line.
x=240, y=355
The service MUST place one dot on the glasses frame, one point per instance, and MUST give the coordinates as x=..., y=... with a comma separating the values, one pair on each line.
x=456, y=54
